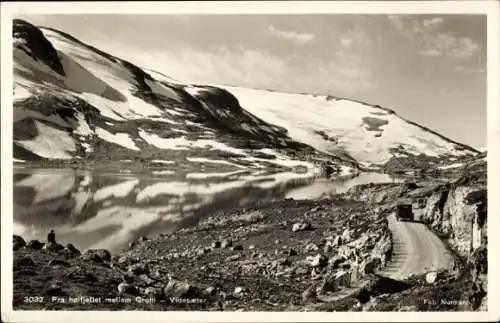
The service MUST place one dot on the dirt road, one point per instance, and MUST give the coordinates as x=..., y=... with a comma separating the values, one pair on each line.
x=416, y=250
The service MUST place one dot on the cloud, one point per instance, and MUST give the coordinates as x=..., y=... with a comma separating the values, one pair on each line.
x=346, y=42
x=299, y=38
x=431, y=52
x=431, y=40
x=432, y=22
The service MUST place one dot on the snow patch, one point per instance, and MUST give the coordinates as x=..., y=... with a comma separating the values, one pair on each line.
x=49, y=143
x=121, y=139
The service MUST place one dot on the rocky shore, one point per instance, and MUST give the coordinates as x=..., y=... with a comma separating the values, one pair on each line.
x=288, y=255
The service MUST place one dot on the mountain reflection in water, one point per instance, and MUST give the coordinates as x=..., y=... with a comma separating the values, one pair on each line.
x=101, y=210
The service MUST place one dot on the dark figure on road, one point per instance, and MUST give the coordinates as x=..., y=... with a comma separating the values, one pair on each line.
x=51, y=237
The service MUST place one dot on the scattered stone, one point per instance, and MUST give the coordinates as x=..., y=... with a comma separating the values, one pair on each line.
x=146, y=279
x=125, y=288
x=177, y=288
x=337, y=241
x=371, y=265
x=226, y=243
x=152, y=292
x=278, y=241
x=138, y=269
x=301, y=226
x=292, y=252
x=72, y=249
x=91, y=257
x=202, y=251
x=237, y=247
x=102, y=253
x=57, y=262
x=431, y=277
x=251, y=247
x=239, y=290
x=346, y=236
x=209, y=291
x=328, y=248
x=311, y=247
x=216, y=244
x=334, y=262
x=233, y=257
x=35, y=244
x=18, y=242
x=318, y=261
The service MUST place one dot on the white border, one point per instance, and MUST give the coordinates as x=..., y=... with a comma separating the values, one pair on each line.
x=491, y=8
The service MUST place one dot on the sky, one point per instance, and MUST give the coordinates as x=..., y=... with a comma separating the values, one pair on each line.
x=430, y=69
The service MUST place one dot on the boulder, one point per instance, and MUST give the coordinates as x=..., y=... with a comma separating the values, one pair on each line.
x=152, y=292
x=91, y=257
x=125, y=288
x=318, y=261
x=226, y=243
x=334, y=262
x=71, y=249
x=18, y=242
x=337, y=241
x=239, y=290
x=210, y=291
x=328, y=247
x=431, y=277
x=301, y=226
x=146, y=279
x=177, y=288
x=311, y=247
x=138, y=269
x=346, y=236
x=35, y=244
x=102, y=253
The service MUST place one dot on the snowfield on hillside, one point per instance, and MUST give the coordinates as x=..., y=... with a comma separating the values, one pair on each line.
x=366, y=132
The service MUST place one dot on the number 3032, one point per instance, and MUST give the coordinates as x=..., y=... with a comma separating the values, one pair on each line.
x=33, y=299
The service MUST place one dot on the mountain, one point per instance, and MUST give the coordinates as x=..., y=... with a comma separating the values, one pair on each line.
x=74, y=103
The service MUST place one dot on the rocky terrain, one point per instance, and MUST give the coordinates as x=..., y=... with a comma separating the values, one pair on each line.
x=289, y=255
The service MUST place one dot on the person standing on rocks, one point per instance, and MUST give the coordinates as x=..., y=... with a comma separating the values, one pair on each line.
x=51, y=237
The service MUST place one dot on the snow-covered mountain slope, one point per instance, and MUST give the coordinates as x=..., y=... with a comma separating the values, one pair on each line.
x=370, y=134
x=75, y=103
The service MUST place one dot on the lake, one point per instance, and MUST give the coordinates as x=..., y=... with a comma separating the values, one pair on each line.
x=94, y=209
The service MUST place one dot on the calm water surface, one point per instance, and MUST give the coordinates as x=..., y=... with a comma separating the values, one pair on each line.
x=103, y=210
